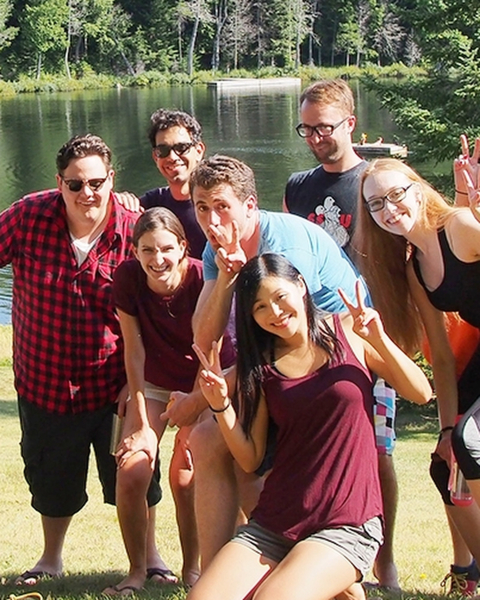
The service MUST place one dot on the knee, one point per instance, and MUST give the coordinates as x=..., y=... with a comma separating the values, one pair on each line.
x=134, y=477
x=207, y=444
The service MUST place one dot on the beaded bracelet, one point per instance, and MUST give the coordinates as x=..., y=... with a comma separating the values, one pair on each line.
x=220, y=410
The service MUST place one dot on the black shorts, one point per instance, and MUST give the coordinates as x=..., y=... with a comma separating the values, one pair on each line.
x=55, y=450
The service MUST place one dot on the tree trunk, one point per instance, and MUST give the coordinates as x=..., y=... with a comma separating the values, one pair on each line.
x=191, y=46
x=39, y=65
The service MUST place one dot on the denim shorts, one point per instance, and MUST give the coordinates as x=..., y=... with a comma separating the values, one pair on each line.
x=359, y=545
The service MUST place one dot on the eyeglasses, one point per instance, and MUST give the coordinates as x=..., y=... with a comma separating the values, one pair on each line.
x=306, y=131
x=395, y=196
x=163, y=150
x=75, y=185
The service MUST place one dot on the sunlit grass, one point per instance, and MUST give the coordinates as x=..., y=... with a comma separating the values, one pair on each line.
x=94, y=555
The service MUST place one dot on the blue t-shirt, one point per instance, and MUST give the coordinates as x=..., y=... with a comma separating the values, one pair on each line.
x=324, y=266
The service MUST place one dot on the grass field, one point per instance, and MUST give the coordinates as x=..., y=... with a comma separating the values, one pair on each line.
x=94, y=556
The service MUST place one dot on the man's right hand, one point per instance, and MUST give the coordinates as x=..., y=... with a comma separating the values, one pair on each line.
x=230, y=256
x=184, y=409
x=129, y=201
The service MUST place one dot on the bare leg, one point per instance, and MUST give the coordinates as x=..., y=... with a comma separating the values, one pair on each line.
x=467, y=522
x=216, y=491
x=137, y=521
x=384, y=567
x=462, y=556
x=54, y=532
x=310, y=571
x=354, y=592
x=182, y=485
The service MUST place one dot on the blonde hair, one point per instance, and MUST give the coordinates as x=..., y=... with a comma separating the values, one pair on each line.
x=382, y=257
x=330, y=92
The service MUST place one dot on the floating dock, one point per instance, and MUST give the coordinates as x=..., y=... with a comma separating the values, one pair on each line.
x=253, y=84
x=378, y=150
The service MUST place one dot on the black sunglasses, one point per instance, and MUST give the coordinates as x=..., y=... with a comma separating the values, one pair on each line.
x=163, y=150
x=75, y=185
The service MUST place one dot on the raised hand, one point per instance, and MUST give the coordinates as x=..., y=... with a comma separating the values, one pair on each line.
x=466, y=164
x=212, y=382
x=230, y=255
x=366, y=321
x=473, y=194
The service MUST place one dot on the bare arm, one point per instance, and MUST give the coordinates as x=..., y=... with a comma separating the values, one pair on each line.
x=443, y=362
x=137, y=434
x=382, y=355
x=249, y=450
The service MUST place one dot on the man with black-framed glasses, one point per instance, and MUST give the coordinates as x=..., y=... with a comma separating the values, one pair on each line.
x=327, y=195
x=177, y=148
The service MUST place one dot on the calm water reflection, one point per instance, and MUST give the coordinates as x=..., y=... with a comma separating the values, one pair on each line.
x=257, y=128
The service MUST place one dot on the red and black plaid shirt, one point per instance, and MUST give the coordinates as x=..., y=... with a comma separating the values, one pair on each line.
x=67, y=349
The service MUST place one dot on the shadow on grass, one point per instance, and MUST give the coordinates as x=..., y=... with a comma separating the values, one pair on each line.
x=86, y=586
x=8, y=408
x=402, y=595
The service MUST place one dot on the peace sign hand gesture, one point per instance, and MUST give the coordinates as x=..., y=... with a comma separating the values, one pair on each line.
x=366, y=321
x=212, y=382
x=466, y=164
x=230, y=256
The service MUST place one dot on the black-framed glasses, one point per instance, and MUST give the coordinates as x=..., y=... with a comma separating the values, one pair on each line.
x=306, y=131
x=163, y=150
x=394, y=196
x=75, y=185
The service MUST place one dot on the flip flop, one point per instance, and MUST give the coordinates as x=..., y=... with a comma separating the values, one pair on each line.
x=35, y=576
x=119, y=591
x=167, y=575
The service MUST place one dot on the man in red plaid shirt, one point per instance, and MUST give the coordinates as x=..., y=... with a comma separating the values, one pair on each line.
x=64, y=245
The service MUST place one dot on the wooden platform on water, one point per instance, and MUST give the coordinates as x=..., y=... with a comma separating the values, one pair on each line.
x=254, y=85
x=381, y=150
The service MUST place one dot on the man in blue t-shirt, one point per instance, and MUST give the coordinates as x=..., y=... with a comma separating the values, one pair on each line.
x=177, y=148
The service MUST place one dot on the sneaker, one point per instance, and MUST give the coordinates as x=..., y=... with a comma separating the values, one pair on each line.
x=463, y=580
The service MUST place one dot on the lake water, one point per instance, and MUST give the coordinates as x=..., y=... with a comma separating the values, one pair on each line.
x=258, y=128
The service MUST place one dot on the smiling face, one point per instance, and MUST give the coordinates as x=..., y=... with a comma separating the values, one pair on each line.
x=399, y=218
x=279, y=307
x=160, y=254
x=327, y=150
x=177, y=168
x=87, y=206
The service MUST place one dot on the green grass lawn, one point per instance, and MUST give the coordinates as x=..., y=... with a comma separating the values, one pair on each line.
x=94, y=556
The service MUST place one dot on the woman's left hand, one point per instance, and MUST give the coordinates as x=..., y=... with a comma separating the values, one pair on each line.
x=366, y=321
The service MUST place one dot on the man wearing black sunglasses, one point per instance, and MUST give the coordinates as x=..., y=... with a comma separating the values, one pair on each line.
x=177, y=148
x=327, y=195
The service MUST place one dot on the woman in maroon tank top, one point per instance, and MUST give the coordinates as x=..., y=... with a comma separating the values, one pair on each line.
x=317, y=526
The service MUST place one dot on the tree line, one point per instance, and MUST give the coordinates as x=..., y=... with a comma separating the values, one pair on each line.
x=75, y=37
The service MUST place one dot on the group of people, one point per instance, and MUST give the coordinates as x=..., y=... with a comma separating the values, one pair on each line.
x=253, y=332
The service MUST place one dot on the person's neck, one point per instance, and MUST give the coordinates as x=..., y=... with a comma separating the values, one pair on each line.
x=422, y=238
x=180, y=191
x=251, y=236
x=88, y=230
x=347, y=161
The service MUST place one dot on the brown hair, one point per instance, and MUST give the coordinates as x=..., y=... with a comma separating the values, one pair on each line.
x=163, y=119
x=335, y=92
x=218, y=170
x=382, y=256
x=158, y=217
x=81, y=146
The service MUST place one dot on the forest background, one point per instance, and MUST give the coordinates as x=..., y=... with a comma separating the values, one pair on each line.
x=433, y=45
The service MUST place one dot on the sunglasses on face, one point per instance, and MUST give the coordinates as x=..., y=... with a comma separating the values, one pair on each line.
x=76, y=185
x=163, y=150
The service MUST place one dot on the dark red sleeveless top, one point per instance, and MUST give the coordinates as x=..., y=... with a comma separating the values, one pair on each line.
x=325, y=472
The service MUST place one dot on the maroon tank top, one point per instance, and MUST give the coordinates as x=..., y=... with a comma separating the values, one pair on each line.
x=325, y=469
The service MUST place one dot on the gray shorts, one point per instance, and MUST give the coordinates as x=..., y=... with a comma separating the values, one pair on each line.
x=359, y=545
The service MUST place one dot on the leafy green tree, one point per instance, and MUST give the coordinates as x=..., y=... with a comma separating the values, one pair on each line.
x=44, y=31
x=7, y=33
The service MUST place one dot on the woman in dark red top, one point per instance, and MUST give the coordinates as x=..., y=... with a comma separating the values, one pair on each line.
x=317, y=526
x=155, y=296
